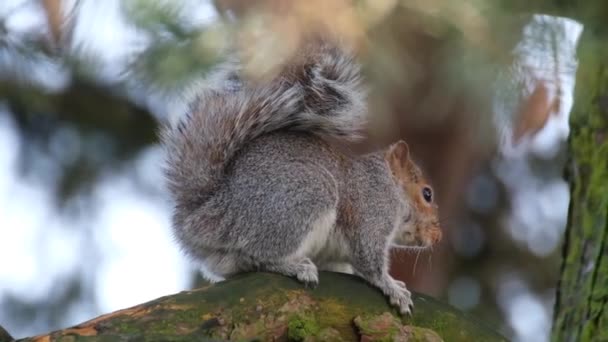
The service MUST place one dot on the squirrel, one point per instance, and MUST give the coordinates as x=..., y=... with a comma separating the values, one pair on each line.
x=257, y=185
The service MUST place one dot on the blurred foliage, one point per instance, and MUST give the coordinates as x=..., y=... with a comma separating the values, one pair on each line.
x=180, y=52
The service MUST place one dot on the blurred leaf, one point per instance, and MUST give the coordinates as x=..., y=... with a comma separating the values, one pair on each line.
x=156, y=16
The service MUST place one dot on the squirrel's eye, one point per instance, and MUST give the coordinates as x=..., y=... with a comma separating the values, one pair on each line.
x=427, y=193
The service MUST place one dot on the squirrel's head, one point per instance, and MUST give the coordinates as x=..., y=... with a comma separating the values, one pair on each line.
x=419, y=221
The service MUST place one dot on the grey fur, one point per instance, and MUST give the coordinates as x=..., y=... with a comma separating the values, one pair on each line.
x=257, y=187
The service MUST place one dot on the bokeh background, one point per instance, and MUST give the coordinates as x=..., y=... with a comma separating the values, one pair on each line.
x=481, y=90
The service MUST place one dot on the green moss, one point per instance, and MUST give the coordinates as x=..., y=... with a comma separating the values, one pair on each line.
x=338, y=317
x=128, y=327
x=243, y=332
x=302, y=326
x=163, y=327
x=329, y=335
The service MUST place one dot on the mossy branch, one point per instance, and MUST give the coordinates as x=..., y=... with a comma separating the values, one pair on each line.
x=263, y=306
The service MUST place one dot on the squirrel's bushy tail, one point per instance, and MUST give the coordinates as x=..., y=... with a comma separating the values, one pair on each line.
x=320, y=93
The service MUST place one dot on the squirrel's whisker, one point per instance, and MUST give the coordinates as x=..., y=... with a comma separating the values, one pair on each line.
x=416, y=262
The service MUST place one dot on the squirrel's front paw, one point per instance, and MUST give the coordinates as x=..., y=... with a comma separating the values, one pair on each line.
x=399, y=296
x=404, y=302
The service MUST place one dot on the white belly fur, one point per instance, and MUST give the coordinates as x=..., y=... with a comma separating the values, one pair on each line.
x=317, y=238
x=324, y=244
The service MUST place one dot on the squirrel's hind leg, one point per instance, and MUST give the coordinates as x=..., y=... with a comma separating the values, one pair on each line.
x=296, y=263
x=217, y=265
x=303, y=269
x=299, y=264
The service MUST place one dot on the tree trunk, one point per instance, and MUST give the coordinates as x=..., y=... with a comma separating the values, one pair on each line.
x=581, y=311
x=4, y=335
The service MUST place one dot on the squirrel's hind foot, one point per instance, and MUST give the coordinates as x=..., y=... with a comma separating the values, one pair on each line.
x=303, y=269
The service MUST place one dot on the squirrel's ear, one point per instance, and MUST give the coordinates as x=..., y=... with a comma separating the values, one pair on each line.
x=397, y=157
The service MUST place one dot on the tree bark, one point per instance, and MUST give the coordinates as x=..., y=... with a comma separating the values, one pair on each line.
x=581, y=311
x=5, y=336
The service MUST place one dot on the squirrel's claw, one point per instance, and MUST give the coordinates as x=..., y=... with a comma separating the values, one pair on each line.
x=311, y=284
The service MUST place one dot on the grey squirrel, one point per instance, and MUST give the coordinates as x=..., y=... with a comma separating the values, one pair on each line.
x=257, y=186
